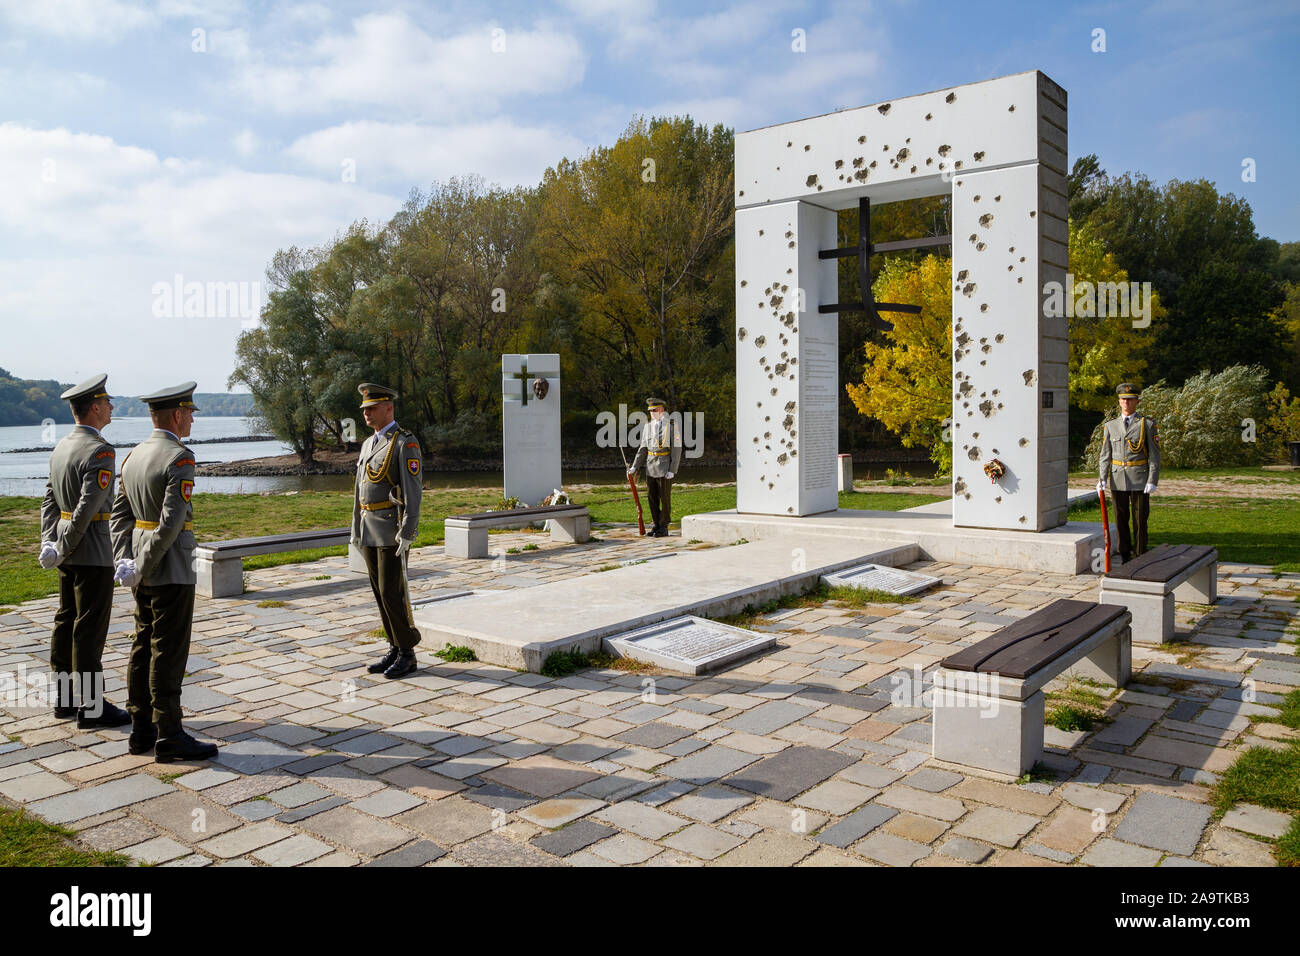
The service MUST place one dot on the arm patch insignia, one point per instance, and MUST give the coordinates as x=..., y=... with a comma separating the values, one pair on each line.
x=413, y=466
x=105, y=477
x=187, y=489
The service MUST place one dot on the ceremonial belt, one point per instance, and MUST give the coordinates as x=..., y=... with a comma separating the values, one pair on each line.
x=660, y=454
x=377, y=506
x=102, y=516
x=153, y=525
x=1128, y=464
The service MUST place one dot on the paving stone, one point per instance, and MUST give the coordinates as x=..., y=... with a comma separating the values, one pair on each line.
x=771, y=848
x=624, y=849
x=1182, y=861
x=1123, y=730
x=459, y=768
x=299, y=795
x=836, y=797
x=311, y=765
x=117, y=834
x=91, y=801
x=1092, y=798
x=996, y=825
x=768, y=717
x=710, y=804
x=573, y=838
x=158, y=850
x=427, y=784
x=541, y=776
x=960, y=848
x=1070, y=831
x=914, y=828
x=450, y=821
x=1228, y=848
x=1165, y=823
x=244, y=840
x=358, y=832
x=640, y=819
x=311, y=809
x=1048, y=853
x=790, y=772
x=581, y=751
x=708, y=764
x=387, y=803
x=869, y=775
x=413, y=854
x=1108, y=852
x=902, y=797
x=256, y=809
x=654, y=735
x=1004, y=795
x=1185, y=709
x=669, y=791
x=1257, y=820
x=933, y=779
x=558, y=812
x=205, y=778
x=856, y=825
x=892, y=850
x=295, y=851
x=500, y=798
x=702, y=841
x=626, y=782
x=255, y=755
x=34, y=786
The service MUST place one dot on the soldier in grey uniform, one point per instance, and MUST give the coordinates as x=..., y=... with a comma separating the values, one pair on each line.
x=153, y=539
x=660, y=455
x=385, y=518
x=75, y=539
x=1130, y=459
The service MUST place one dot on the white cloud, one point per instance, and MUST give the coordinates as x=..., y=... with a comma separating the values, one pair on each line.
x=246, y=143
x=386, y=60
x=185, y=119
x=78, y=19
x=498, y=150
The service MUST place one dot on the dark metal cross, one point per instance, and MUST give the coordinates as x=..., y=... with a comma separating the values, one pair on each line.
x=524, y=378
x=863, y=250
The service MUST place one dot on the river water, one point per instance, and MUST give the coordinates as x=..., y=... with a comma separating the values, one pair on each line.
x=24, y=473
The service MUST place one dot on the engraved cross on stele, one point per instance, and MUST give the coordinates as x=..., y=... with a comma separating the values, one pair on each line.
x=524, y=378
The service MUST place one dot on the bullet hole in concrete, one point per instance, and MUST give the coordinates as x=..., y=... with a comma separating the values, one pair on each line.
x=974, y=454
x=1022, y=519
x=858, y=161
x=806, y=147
x=929, y=115
x=741, y=333
x=1022, y=258
x=1011, y=108
x=760, y=232
x=1018, y=281
x=743, y=283
x=979, y=156
x=998, y=499
x=945, y=149
x=861, y=175
x=903, y=154
x=788, y=144
x=929, y=160
x=742, y=192
x=839, y=164
x=791, y=245
x=760, y=341
x=961, y=276
x=997, y=198
x=782, y=459
x=773, y=391
x=980, y=247
x=959, y=485
x=1024, y=442
x=968, y=288
x=883, y=109
x=862, y=139
x=1033, y=213
x=811, y=180
x=913, y=169
x=973, y=237
x=986, y=407
x=986, y=220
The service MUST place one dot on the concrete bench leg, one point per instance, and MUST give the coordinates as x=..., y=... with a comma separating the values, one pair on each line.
x=466, y=542
x=1153, y=614
x=1109, y=663
x=1202, y=587
x=220, y=577
x=577, y=529
x=991, y=733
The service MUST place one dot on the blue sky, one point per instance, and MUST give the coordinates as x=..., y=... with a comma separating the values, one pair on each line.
x=134, y=149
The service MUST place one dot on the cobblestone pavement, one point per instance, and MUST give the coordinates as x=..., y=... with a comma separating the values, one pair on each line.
x=812, y=754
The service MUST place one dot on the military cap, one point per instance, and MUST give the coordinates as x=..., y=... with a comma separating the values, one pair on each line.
x=89, y=390
x=1127, y=390
x=176, y=396
x=654, y=403
x=374, y=394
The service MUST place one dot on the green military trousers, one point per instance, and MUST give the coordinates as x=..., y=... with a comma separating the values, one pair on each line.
x=156, y=668
x=388, y=582
x=80, y=629
x=661, y=501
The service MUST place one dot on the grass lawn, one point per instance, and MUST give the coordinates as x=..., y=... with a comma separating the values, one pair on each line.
x=26, y=841
x=1250, y=530
x=1251, y=473
x=221, y=517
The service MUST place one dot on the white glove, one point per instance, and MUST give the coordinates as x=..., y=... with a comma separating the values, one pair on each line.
x=669, y=476
x=403, y=546
x=631, y=472
x=127, y=574
x=1101, y=485
x=49, y=556
x=1148, y=489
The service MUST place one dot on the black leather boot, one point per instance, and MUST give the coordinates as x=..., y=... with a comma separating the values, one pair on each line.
x=183, y=747
x=109, y=716
x=403, y=664
x=143, y=736
x=385, y=662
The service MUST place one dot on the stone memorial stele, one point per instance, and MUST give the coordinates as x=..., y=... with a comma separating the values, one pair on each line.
x=998, y=149
x=530, y=391
x=689, y=645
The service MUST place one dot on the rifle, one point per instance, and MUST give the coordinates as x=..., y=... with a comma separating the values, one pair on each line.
x=1105, y=528
x=636, y=496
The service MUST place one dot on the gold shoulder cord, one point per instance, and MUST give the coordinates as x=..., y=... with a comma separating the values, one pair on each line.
x=1142, y=439
x=375, y=477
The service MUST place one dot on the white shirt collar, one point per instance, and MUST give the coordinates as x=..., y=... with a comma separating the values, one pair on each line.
x=386, y=428
x=91, y=428
x=166, y=432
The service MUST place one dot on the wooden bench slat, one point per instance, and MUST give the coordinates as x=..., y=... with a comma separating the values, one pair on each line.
x=1162, y=563
x=306, y=538
x=1033, y=642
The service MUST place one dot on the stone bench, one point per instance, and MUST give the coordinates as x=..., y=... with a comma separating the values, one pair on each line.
x=220, y=565
x=1150, y=583
x=988, y=698
x=466, y=536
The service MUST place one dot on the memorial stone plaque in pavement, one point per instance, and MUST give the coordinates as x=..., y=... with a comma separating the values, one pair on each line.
x=689, y=645
x=878, y=577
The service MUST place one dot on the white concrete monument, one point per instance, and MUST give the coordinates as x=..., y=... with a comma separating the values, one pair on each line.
x=999, y=149
x=530, y=390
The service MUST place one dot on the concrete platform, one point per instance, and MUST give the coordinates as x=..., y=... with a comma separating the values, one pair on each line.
x=1064, y=550
x=520, y=628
